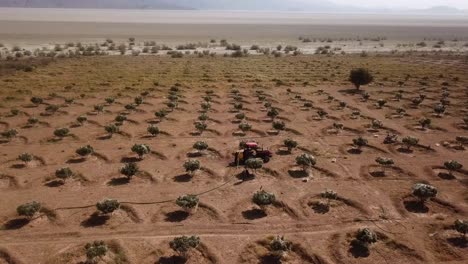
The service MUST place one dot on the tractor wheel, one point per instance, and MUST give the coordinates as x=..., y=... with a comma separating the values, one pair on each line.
x=266, y=159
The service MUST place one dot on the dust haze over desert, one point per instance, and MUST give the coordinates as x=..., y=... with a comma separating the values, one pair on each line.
x=203, y=131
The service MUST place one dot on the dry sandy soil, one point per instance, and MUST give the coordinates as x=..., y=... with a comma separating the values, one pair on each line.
x=228, y=223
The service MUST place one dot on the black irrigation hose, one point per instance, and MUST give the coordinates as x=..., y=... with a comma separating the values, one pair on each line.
x=145, y=203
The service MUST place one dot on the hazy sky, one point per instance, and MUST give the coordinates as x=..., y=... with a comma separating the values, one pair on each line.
x=463, y=4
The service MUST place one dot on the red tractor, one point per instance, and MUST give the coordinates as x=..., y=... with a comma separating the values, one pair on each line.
x=251, y=150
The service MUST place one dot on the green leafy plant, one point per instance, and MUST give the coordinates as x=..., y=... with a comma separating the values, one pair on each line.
x=141, y=150
x=64, y=173
x=410, y=142
x=85, y=151
x=191, y=166
x=424, y=192
x=201, y=126
x=364, y=238
x=29, y=210
x=244, y=126
x=95, y=251
x=279, y=247
x=129, y=170
x=290, y=144
x=425, y=122
x=111, y=129
x=461, y=226
x=108, y=206
x=188, y=202
x=263, y=199
x=360, y=142
x=200, y=145
x=153, y=130
x=360, y=77
x=26, y=157
x=279, y=125
x=182, y=245
x=9, y=134
x=81, y=119
x=452, y=165
x=61, y=132
x=306, y=161
x=253, y=164
x=384, y=162
x=273, y=113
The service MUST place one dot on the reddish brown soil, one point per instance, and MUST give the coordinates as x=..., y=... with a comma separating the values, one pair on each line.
x=230, y=226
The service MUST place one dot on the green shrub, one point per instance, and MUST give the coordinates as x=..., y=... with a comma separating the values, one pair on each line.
x=85, y=151
x=360, y=77
x=107, y=206
x=26, y=157
x=424, y=191
x=183, y=244
x=29, y=209
x=129, y=170
x=141, y=150
x=95, y=251
x=153, y=130
x=61, y=132
x=290, y=144
x=191, y=166
x=306, y=161
x=64, y=173
x=187, y=202
x=263, y=198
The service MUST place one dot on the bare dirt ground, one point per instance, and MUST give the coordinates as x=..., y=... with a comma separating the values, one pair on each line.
x=228, y=223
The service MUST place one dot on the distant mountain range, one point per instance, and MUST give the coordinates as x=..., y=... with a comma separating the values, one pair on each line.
x=267, y=5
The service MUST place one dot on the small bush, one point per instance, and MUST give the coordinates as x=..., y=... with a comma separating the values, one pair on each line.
x=111, y=129
x=306, y=161
x=26, y=157
x=279, y=125
x=360, y=142
x=183, y=244
x=245, y=126
x=141, y=150
x=200, y=126
x=129, y=170
x=279, y=246
x=81, y=119
x=461, y=226
x=29, y=209
x=263, y=198
x=85, y=151
x=424, y=191
x=290, y=144
x=191, y=166
x=64, y=173
x=95, y=250
x=452, y=165
x=254, y=163
x=410, y=141
x=273, y=112
x=153, y=130
x=200, y=145
x=9, y=134
x=107, y=206
x=61, y=132
x=187, y=202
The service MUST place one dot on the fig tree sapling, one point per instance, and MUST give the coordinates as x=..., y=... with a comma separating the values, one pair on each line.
x=191, y=166
x=253, y=164
x=279, y=125
x=64, y=173
x=141, y=150
x=424, y=192
x=182, y=245
x=188, y=202
x=26, y=157
x=452, y=165
x=263, y=199
x=364, y=238
x=29, y=210
x=360, y=142
x=161, y=114
x=410, y=142
x=244, y=126
x=200, y=126
x=290, y=144
x=108, y=206
x=85, y=151
x=200, y=146
x=61, y=132
x=129, y=170
x=95, y=251
x=153, y=130
x=273, y=112
x=461, y=226
x=111, y=129
x=425, y=122
x=306, y=161
x=279, y=247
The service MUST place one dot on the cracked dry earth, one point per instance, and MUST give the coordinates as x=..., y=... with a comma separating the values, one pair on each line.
x=230, y=226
